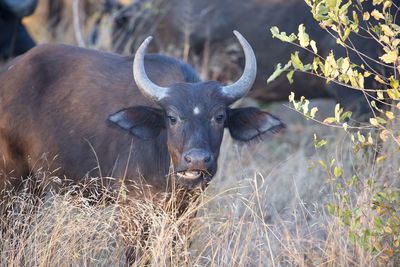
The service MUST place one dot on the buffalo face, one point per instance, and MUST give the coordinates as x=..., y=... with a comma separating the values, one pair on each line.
x=194, y=116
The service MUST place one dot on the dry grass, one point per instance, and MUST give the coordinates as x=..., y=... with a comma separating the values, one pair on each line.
x=264, y=208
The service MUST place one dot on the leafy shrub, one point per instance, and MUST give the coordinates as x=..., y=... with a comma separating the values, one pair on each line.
x=367, y=208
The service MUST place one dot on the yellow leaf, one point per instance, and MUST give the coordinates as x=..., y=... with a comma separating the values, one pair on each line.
x=388, y=230
x=389, y=115
x=345, y=65
x=384, y=135
x=305, y=107
x=396, y=42
x=338, y=112
x=380, y=94
x=370, y=140
x=379, y=79
x=373, y=103
x=360, y=137
x=377, y=15
x=329, y=120
x=389, y=57
x=291, y=97
x=330, y=67
x=398, y=105
x=345, y=126
x=366, y=16
x=361, y=80
x=386, y=5
x=381, y=158
x=393, y=93
x=373, y=121
x=337, y=171
x=375, y=2
x=387, y=31
x=384, y=39
x=314, y=46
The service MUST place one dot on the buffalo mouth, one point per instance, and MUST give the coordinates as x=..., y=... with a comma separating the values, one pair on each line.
x=190, y=175
x=193, y=178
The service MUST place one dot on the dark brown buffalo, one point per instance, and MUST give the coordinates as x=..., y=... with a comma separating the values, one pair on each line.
x=84, y=107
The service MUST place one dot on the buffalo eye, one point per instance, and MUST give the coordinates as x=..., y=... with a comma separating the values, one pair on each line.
x=172, y=120
x=220, y=118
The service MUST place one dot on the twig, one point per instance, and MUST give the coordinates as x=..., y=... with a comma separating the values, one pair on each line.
x=77, y=26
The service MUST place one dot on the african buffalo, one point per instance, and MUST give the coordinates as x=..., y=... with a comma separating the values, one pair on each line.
x=84, y=107
x=14, y=38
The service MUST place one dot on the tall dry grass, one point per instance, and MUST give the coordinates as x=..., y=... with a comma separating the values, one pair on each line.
x=266, y=207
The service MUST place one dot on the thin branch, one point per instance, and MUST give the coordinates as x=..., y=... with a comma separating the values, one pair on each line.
x=77, y=26
x=368, y=127
x=364, y=55
x=337, y=82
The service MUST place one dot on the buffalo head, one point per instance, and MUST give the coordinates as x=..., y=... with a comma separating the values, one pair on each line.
x=194, y=116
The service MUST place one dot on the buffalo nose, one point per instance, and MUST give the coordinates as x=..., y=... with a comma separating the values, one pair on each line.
x=197, y=156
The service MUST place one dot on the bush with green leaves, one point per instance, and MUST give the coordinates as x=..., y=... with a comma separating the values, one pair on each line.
x=368, y=208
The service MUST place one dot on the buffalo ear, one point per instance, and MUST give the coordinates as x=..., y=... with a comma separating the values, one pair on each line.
x=143, y=122
x=246, y=124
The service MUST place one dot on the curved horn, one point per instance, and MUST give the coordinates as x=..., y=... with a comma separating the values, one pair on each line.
x=145, y=85
x=242, y=86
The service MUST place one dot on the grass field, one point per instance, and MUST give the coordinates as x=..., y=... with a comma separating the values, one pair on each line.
x=266, y=207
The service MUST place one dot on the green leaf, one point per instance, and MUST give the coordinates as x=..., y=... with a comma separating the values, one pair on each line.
x=361, y=137
x=282, y=35
x=321, y=12
x=323, y=165
x=346, y=34
x=337, y=172
x=278, y=71
x=345, y=115
x=313, y=112
x=343, y=9
x=296, y=61
x=331, y=209
x=319, y=143
x=331, y=3
x=289, y=76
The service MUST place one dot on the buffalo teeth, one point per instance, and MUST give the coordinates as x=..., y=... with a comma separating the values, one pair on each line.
x=189, y=174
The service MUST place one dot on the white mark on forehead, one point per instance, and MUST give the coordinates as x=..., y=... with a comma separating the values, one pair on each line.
x=196, y=110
